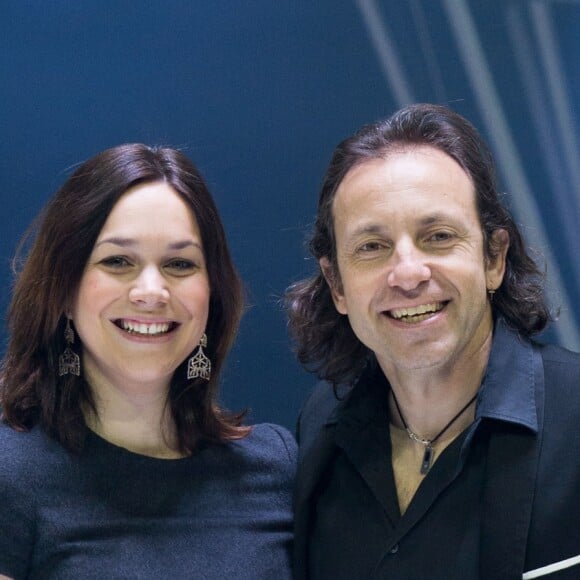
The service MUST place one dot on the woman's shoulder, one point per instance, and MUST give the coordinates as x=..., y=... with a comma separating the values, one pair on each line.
x=24, y=452
x=14, y=441
x=269, y=444
x=273, y=437
x=23, y=457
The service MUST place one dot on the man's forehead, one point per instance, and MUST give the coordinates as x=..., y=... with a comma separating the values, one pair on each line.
x=413, y=155
x=423, y=186
x=381, y=180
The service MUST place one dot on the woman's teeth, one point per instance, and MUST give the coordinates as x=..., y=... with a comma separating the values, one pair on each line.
x=148, y=329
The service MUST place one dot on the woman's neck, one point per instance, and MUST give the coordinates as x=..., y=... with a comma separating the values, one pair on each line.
x=139, y=422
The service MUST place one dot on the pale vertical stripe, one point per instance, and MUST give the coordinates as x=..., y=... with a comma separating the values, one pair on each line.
x=428, y=49
x=386, y=52
x=557, y=88
x=534, y=92
x=507, y=158
x=568, y=208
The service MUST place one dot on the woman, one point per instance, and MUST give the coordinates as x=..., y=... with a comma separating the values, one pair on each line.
x=115, y=459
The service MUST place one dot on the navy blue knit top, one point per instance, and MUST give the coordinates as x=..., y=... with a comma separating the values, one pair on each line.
x=224, y=512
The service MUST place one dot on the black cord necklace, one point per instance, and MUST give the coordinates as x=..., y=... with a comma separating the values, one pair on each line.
x=428, y=443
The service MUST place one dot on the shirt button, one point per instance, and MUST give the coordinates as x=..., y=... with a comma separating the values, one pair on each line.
x=394, y=549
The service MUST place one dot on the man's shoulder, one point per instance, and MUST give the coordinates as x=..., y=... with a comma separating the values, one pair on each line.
x=317, y=410
x=561, y=372
x=561, y=366
x=557, y=355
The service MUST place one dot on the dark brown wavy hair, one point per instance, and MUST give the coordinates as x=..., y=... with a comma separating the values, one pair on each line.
x=48, y=275
x=325, y=342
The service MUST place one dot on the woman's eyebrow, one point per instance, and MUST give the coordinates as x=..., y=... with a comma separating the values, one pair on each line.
x=128, y=242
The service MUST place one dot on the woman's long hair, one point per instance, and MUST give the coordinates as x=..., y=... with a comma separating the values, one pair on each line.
x=60, y=242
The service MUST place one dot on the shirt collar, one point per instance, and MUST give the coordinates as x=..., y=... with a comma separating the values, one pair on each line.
x=508, y=389
x=507, y=393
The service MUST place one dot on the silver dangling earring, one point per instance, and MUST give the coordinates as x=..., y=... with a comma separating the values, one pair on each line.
x=69, y=361
x=491, y=294
x=199, y=364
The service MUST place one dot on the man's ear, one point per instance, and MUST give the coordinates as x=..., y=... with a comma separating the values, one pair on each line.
x=331, y=277
x=499, y=244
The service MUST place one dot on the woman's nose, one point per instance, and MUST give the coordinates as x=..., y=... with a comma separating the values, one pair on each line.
x=149, y=288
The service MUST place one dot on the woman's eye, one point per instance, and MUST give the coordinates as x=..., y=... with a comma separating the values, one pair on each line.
x=116, y=262
x=181, y=265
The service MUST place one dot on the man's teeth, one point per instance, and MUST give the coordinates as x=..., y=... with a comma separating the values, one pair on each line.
x=417, y=313
x=142, y=328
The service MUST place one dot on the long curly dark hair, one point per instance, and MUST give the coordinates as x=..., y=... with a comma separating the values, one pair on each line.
x=48, y=275
x=325, y=342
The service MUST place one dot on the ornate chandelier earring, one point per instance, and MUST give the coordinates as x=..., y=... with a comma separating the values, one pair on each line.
x=69, y=361
x=199, y=364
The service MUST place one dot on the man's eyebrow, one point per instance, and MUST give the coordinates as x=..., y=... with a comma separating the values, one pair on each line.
x=427, y=220
x=369, y=228
x=435, y=218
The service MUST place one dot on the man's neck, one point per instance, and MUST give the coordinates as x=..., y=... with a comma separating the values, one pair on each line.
x=429, y=398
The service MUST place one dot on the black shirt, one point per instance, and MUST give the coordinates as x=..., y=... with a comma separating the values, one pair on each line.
x=357, y=528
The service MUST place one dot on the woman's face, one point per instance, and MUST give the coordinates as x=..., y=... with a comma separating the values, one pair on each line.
x=143, y=299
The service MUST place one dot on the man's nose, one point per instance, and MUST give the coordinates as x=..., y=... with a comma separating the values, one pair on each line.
x=409, y=267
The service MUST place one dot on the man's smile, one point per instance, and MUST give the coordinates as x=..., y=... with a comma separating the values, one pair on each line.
x=415, y=314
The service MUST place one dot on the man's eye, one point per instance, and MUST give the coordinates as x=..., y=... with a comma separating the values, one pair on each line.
x=371, y=247
x=442, y=236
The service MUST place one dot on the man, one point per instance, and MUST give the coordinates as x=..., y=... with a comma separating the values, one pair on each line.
x=443, y=443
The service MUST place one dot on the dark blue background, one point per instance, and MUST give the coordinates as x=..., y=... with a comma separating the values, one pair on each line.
x=258, y=93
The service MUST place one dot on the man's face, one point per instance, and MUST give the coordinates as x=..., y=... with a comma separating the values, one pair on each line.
x=413, y=277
